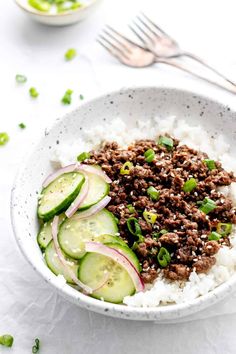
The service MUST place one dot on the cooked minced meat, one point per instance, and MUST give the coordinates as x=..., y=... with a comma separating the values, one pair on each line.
x=186, y=227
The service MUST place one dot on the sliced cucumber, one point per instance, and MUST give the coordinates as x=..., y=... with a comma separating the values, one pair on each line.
x=109, y=239
x=98, y=189
x=93, y=269
x=127, y=252
x=56, y=266
x=56, y=197
x=74, y=232
x=45, y=233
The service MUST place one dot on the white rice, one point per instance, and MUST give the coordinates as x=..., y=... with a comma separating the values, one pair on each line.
x=164, y=291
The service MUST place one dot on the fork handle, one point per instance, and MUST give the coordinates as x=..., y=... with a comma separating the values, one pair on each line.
x=185, y=68
x=204, y=63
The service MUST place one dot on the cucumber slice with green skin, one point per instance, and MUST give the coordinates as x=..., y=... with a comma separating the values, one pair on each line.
x=59, y=194
x=94, y=267
x=98, y=189
x=55, y=264
x=74, y=232
x=45, y=233
x=109, y=239
x=128, y=253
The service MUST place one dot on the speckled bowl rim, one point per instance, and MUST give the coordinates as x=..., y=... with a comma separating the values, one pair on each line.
x=48, y=15
x=162, y=314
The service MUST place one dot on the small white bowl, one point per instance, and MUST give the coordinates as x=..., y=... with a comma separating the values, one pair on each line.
x=62, y=19
x=131, y=105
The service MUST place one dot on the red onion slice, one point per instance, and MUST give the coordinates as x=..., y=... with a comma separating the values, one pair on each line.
x=54, y=175
x=94, y=209
x=95, y=171
x=55, y=223
x=119, y=258
x=79, y=199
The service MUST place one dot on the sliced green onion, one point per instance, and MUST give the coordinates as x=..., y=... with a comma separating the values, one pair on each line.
x=70, y=54
x=165, y=141
x=150, y=217
x=126, y=168
x=160, y=233
x=36, y=347
x=40, y=5
x=210, y=164
x=21, y=79
x=207, y=205
x=6, y=340
x=189, y=185
x=135, y=229
x=214, y=236
x=149, y=155
x=153, y=193
x=33, y=92
x=4, y=138
x=224, y=229
x=131, y=208
x=83, y=156
x=22, y=125
x=81, y=97
x=66, y=99
x=163, y=257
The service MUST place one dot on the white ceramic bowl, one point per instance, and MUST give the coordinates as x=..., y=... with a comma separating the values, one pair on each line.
x=62, y=19
x=131, y=105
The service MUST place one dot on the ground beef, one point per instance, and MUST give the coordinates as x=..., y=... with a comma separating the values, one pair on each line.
x=187, y=227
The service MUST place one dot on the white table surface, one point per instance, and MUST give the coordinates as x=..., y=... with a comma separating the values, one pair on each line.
x=28, y=308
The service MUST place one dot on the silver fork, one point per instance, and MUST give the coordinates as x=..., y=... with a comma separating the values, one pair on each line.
x=134, y=55
x=163, y=45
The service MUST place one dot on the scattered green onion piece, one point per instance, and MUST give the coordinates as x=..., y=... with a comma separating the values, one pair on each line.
x=22, y=125
x=70, y=54
x=4, y=138
x=6, y=340
x=83, y=156
x=165, y=141
x=160, y=233
x=214, y=236
x=33, y=92
x=135, y=229
x=36, y=347
x=131, y=208
x=21, y=79
x=163, y=257
x=150, y=217
x=81, y=97
x=189, y=185
x=40, y=5
x=207, y=205
x=210, y=164
x=224, y=229
x=66, y=99
x=153, y=193
x=126, y=168
x=149, y=155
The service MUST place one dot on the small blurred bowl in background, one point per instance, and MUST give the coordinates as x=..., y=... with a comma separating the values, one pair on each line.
x=59, y=19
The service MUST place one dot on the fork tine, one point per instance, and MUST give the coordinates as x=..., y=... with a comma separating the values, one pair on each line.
x=137, y=34
x=110, y=51
x=117, y=51
x=148, y=27
x=119, y=34
x=155, y=25
x=143, y=31
x=118, y=41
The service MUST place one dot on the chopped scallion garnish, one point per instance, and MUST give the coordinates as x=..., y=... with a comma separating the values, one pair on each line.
x=135, y=229
x=189, y=185
x=163, y=257
x=40, y=5
x=210, y=164
x=21, y=79
x=224, y=229
x=70, y=54
x=83, y=156
x=153, y=193
x=81, y=97
x=33, y=92
x=22, y=125
x=4, y=138
x=214, y=236
x=6, y=340
x=207, y=205
x=36, y=346
x=66, y=99
x=126, y=168
x=160, y=233
x=150, y=217
x=165, y=141
x=131, y=208
x=149, y=155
